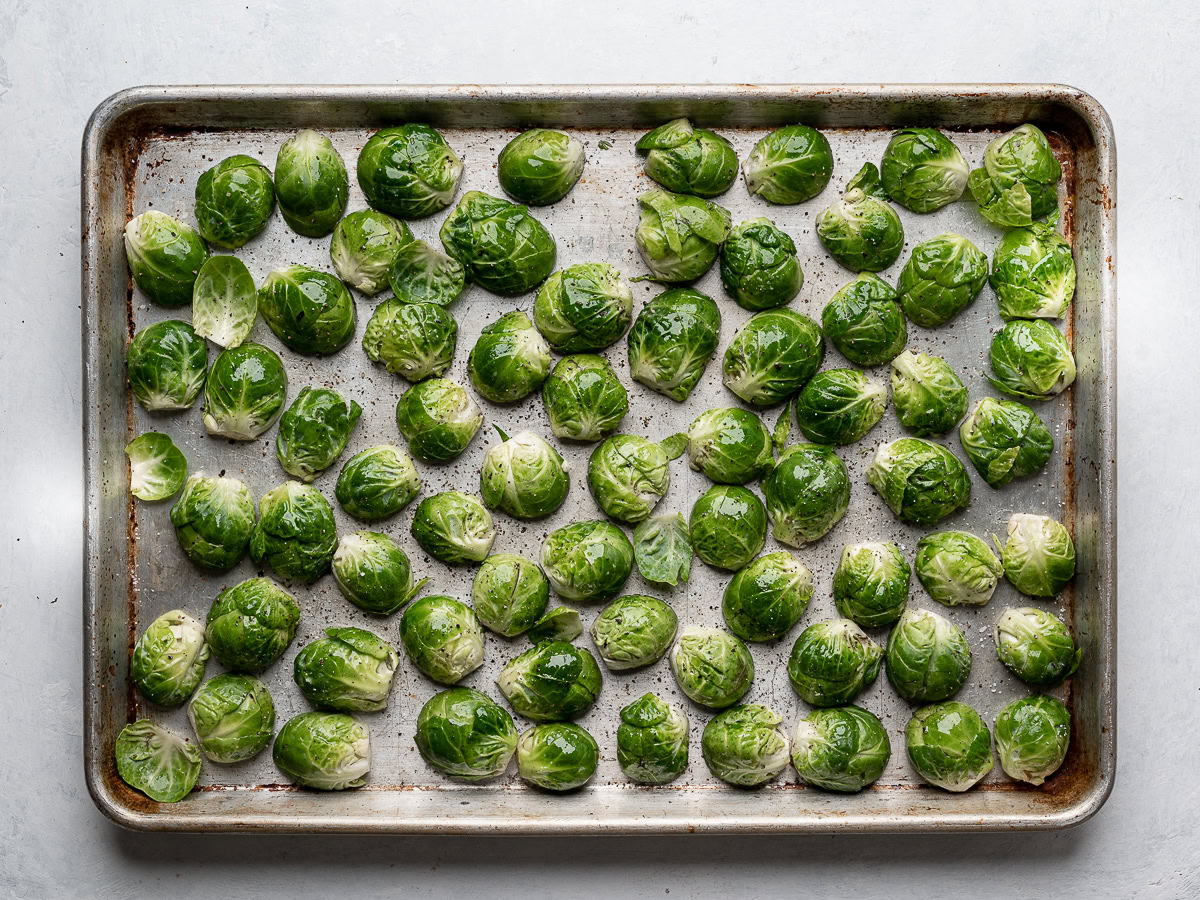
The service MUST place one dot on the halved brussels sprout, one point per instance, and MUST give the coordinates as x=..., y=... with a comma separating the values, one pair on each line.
x=839, y=406
x=1039, y=556
x=523, y=476
x=502, y=247
x=167, y=663
x=377, y=482
x=766, y=598
x=309, y=310
x=408, y=171
x=234, y=200
x=633, y=631
x=250, y=624
x=923, y=170
x=1031, y=360
x=807, y=493
x=414, y=340
x=373, y=573
x=560, y=624
x=790, y=165
x=310, y=183
x=233, y=717
x=870, y=585
x=213, y=519
x=1004, y=440
x=364, y=248
x=584, y=400
x=1033, y=273
x=295, y=535
x=157, y=762
x=678, y=235
x=929, y=396
x=510, y=360
x=860, y=229
x=941, y=278
x=348, y=670
x=465, y=734
x=928, y=657
x=832, y=662
x=423, y=274
x=921, y=481
x=842, y=749
x=583, y=307
x=711, y=666
x=949, y=745
x=672, y=340
x=245, y=392
x=313, y=432
x=728, y=526
x=772, y=356
x=662, y=549
x=1036, y=646
x=323, y=751
x=540, y=166
x=438, y=419
x=957, y=568
x=167, y=364
x=224, y=301
x=549, y=681
x=652, y=740
x=689, y=160
x=442, y=637
x=587, y=561
x=745, y=746
x=165, y=256
x=454, y=527
x=510, y=593
x=560, y=756
x=628, y=475
x=865, y=322
x=157, y=468
x=730, y=445
x=759, y=268
x=1032, y=737
x=1019, y=178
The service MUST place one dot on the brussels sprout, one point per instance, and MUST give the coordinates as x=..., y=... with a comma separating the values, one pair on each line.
x=442, y=637
x=744, y=746
x=930, y=398
x=423, y=274
x=377, y=482
x=560, y=756
x=1032, y=736
x=678, y=235
x=523, y=476
x=164, y=255
x=234, y=200
x=1004, y=440
x=921, y=481
x=233, y=717
x=551, y=680
x=373, y=573
x=583, y=307
x=310, y=183
x=1036, y=646
x=438, y=418
x=839, y=406
x=464, y=734
x=502, y=247
x=922, y=170
x=941, y=278
x=1033, y=273
x=414, y=340
x=167, y=663
x=841, y=749
x=628, y=475
x=224, y=301
x=408, y=171
x=1031, y=360
x=1019, y=178
x=324, y=751
x=540, y=166
x=510, y=360
x=167, y=365
x=689, y=160
x=560, y=624
x=157, y=762
x=1039, y=556
x=928, y=657
x=711, y=666
x=587, y=561
x=583, y=398
x=673, y=339
x=772, y=356
x=157, y=467
x=313, y=432
x=633, y=631
x=728, y=526
x=957, y=568
x=310, y=311
x=510, y=593
x=250, y=624
x=454, y=527
x=870, y=585
x=861, y=230
x=652, y=740
x=832, y=662
x=295, y=535
x=767, y=597
x=244, y=393
x=865, y=322
x=348, y=670
x=807, y=493
x=365, y=246
x=730, y=445
x=949, y=745
x=214, y=519
x=790, y=165
x=759, y=268
x=662, y=549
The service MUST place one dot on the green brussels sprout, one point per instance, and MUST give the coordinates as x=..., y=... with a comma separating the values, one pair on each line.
x=584, y=400
x=634, y=631
x=377, y=482
x=502, y=247
x=1004, y=440
x=790, y=165
x=423, y=274
x=167, y=364
x=766, y=599
x=165, y=256
x=922, y=170
x=772, y=356
x=941, y=278
x=510, y=594
x=919, y=480
x=313, y=432
x=442, y=637
x=728, y=526
x=689, y=160
x=560, y=756
x=807, y=493
x=348, y=670
x=408, y=171
x=295, y=535
x=730, y=445
x=628, y=475
x=465, y=734
x=652, y=740
x=1033, y=273
x=842, y=749
x=214, y=519
x=759, y=268
x=930, y=398
x=832, y=662
x=551, y=680
x=540, y=166
x=373, y=573
x=1031, y=360
x=1032, y=736
x=523, y=476
x=1036, y=646
x=510, y=360
x=454, y=527
x=587, y=561
x=860, y=229
x=324, y=751
x=438, y=419
x=365, y=246
x=157, y=468
x=839, y=406
x=310, y=183
x=711, y=666
x=224, y=301
x=310, y=311
x=865, y=322
x=244, y=393
x=672, y=340
x=413, y=340
x=233, y=717
x=560, y=624
x=949, y=745
x=157, y=762
x=745, y=746
x=957, y=568
x=250, y=624
x=678, y=235
x=1019, y=178
x=583, y=307
x=167, y=663
x=870, y=585
x=928, y=657
x=234, y=200
x=1039, y=556
x=662, y=549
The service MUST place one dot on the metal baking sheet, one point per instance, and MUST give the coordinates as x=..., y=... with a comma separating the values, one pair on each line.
x=145, y=147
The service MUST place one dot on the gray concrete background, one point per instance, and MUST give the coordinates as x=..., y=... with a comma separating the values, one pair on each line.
x=58, y=60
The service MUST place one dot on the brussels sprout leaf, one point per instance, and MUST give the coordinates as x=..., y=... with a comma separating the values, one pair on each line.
x=662, y=549
x=157, y=467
